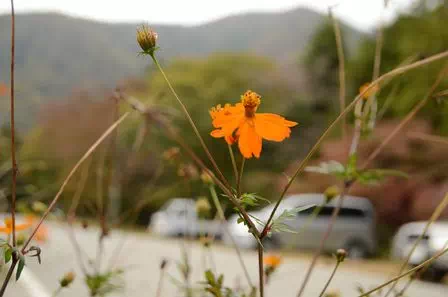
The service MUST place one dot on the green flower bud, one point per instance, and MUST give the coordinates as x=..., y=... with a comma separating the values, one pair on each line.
x=67, y=279
x=147, y=39
x=330, y=193
x=340, y=255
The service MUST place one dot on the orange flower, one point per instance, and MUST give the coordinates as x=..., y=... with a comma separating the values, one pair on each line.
x=370, y=92
x=8, y=226
x=272, y=261
x=3, y=89
x=241, y=123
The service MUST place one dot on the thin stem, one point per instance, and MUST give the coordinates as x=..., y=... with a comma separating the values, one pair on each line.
x=137, y=105
x=408, y=117
x=8, y=276
x=428, y=137
x=260, y=269
x=56, y=292
x=72, y=172
x=411, y=279
x=240, y=177
x=388, y=75
x=226, y=229
x=341, y=60
x=317, y=254
x=160, y=283
x=193, y=125
x=232, y=157
x=13, y=143
x=330, y=279
x=436, y=214
x=427, y=262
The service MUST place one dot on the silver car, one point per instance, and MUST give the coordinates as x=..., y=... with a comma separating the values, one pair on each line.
x=178, y=217
x=434, y=241
x=354, y=229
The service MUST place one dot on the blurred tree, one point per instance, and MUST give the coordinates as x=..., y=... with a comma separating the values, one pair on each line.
x=322, y=65
x=416, y=35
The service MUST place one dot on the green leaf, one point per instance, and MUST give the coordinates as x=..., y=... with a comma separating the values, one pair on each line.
x=8, y=254
x=20, y=266
x=210, y=278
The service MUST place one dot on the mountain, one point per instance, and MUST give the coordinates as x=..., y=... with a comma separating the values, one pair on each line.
x=56, y=54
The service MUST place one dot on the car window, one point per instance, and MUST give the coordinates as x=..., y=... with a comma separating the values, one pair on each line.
x=327, y=211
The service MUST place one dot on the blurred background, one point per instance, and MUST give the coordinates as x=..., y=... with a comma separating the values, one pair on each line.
x=70, y=57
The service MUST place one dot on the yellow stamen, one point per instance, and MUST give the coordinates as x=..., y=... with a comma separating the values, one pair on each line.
x=250, y=101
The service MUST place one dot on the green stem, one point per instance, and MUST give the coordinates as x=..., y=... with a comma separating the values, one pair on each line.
x=226, y=229
x=330, y=279
x=232, y=157
x=240, y=178
x=56, y=292
x=190, y=120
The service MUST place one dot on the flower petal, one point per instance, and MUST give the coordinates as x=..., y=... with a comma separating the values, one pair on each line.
x=273, y=127
x=249, y=141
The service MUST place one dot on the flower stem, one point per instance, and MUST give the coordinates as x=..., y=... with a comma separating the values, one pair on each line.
x=260, y=269
x=330, y=279
x=226, y=229
x=193, y=125
x=56, y=292
x=13, y=144
x=318, y=252
x=232, y=157
x=395, y=72
x=91, y=149
x=240, y=177
x=418, y=267
x=8, y=276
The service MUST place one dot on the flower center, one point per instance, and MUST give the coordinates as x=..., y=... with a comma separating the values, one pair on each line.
x=250, y=101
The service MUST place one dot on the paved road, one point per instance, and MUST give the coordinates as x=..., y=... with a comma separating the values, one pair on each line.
x=142, y=254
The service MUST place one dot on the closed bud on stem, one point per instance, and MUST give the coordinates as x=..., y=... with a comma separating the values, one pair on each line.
x=330, y=193
x=340, y=255
x=68, y=278
x=147, y=39
x=206, y=178
x=203, y=207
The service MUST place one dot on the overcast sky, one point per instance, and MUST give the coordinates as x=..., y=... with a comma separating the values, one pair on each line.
x=363, y=14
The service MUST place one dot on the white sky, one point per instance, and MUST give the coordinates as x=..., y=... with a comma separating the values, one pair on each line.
x=363, y=14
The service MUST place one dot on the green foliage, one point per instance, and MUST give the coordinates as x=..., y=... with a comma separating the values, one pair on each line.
x=400, y=44
x=280, y=223
x=105, y=283
x=351, y=173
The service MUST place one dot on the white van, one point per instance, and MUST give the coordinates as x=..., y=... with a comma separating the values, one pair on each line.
x=178, y=217
x=354, y=229
x=435, y=240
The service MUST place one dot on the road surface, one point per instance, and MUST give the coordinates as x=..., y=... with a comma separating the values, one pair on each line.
x=142, y=254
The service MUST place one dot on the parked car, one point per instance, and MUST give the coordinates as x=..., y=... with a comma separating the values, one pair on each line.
x=435, y=240
x=178, y=217
x=354, y=229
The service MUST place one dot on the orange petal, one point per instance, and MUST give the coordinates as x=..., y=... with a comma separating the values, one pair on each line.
x=249, y=141
x=272, y=127
x=5, y=230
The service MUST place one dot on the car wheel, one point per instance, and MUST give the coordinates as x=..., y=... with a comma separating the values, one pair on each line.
x=357, y=250
x=433, y=275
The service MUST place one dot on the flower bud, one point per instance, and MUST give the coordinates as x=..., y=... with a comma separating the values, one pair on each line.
x=370, y=92
x=206, y=241
x=332, y=293
x=330, y=193
x=203, y=207
x=206, y=178
x=68, y=278
x=340, y=255
x=147, y=39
